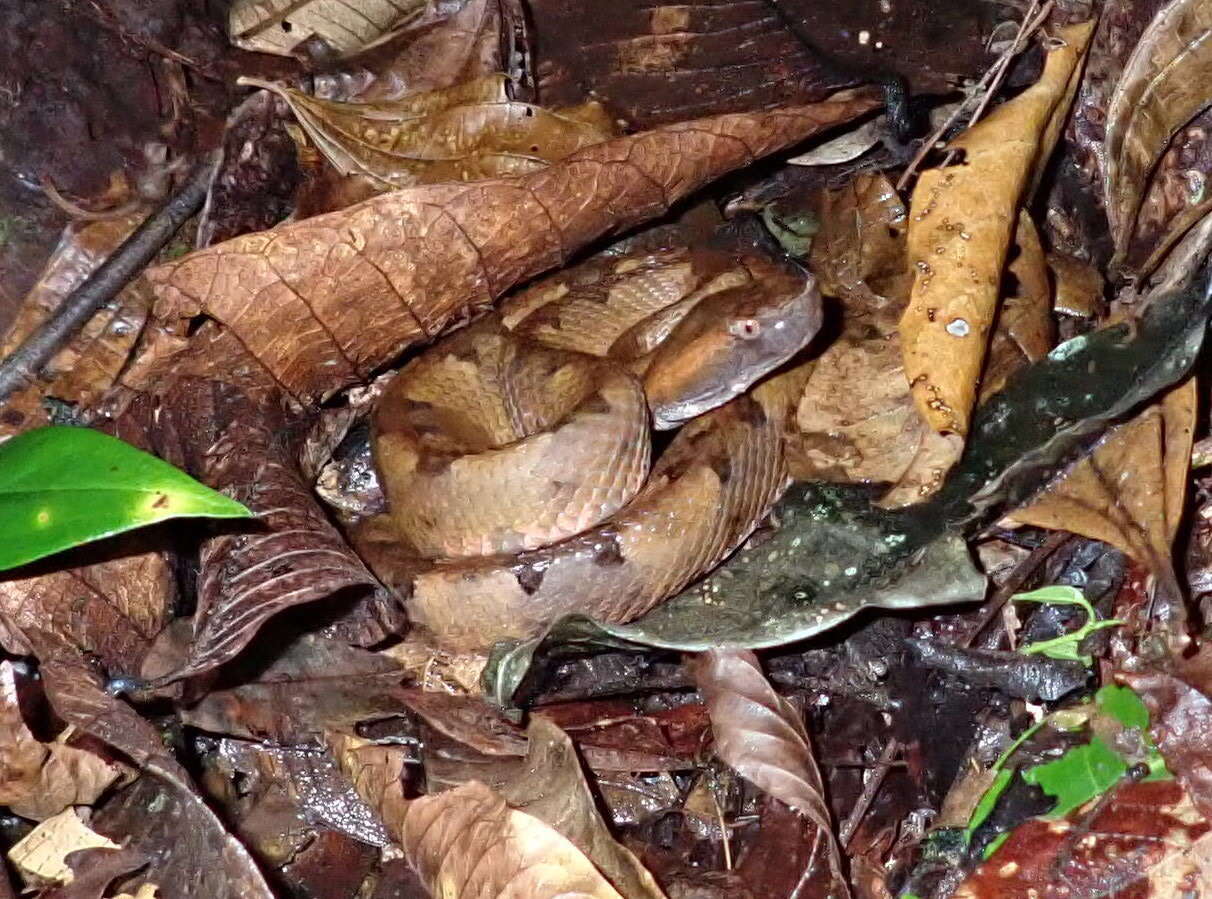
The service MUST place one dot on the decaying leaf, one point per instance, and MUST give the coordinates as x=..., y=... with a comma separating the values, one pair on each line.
x=313, y=686
x=39, y=779
x=323, y=303
x=467, y=132
x=41, y=856
x=1129, y=490
x=761, y=736
x=89, y=364
x=1161, y=88
x=467, y=842
x=1078, y=286
x=1147, y=839
x=961, y=222
x=185, y=843
x=279, y=26
x=292, y=556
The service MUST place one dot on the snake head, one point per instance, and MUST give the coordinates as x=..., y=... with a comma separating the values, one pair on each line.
x=727, y=342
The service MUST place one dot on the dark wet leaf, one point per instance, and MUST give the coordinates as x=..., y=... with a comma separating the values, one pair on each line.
x=314, y=686
x=832, y=556
x=190, y=853
x=61, y=487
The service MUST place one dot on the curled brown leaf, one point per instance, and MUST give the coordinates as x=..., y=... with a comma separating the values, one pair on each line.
x=761, y=736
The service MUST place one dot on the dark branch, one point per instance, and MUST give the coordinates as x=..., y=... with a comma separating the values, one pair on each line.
x=127, y=261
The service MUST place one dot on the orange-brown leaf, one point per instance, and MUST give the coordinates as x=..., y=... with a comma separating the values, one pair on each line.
x=962, y=220
x=324, y=302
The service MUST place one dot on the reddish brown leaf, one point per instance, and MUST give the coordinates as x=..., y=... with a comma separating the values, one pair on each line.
x=292, y=555
x=762, y=736
x=1146, y=840
x=1180, y=715
x=324, y=302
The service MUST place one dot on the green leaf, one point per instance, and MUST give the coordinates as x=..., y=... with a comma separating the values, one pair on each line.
x=1078, y=776
x=984, y=807
x=62, y=486
x=995, y=844
x=1066, y=646
x=1122, y=704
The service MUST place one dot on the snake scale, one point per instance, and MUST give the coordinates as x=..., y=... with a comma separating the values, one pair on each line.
x=515, y=454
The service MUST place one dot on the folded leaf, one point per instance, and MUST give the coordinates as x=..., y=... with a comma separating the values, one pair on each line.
x=464, y=133
x=961, y=222
x=325, y=302
x=61, y=487
x=1162, y=87
x=279, y=26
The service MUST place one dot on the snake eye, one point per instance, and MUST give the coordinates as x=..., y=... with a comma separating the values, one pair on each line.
x=745, y=328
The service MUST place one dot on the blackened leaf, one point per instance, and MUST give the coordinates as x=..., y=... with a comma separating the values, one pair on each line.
x=832, y=556
x=1021, y=436
x=761, y=736
x=61, y=486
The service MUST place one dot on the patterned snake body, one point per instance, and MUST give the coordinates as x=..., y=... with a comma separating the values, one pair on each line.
x=515, y=453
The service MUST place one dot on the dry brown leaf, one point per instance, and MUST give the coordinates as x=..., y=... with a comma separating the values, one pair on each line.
x=91, y=361
x=38, y=780
x=1025, y=331
x=961, y=222
x=1078, y=287
x=858, y=254
x=1163, y=85
x=279, y=26
x=325, y=302
x=762, y=737
x=1129, y=490
x=41, y=856
x=467, y=132
x=467, y=842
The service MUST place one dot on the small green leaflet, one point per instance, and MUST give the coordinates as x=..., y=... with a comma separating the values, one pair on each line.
x=1122, y=704
x=64, y=486
x=1065, y=646
x=1078, y=776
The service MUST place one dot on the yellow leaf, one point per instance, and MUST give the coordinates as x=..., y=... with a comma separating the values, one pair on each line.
x=279, y=26
x=41, y=855
x=961, y=222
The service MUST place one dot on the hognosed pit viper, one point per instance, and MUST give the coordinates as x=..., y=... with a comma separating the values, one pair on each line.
x=514, y=454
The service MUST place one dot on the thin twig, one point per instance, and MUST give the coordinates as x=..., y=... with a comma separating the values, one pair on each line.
x=985, y=88
x=105, y=282
x=1017, y=577
x=870, y=788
